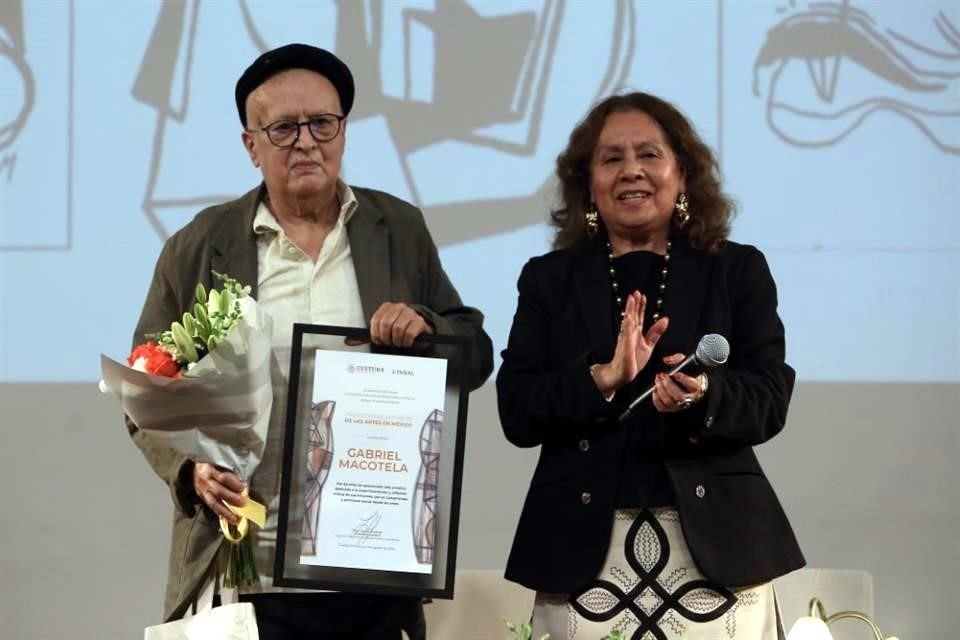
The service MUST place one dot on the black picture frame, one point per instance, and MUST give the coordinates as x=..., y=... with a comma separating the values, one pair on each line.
x=288, y=570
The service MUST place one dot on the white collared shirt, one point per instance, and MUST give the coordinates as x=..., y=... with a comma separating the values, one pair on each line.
x=292, y=288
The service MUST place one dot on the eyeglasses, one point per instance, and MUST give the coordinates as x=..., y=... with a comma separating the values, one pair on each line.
x=286, y=133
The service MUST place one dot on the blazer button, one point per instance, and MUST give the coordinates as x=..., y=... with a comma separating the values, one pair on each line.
x=700, y=491
x=585, y=497
x=584, y=445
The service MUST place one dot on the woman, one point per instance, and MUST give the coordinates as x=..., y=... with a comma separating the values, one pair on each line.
x=660, y=522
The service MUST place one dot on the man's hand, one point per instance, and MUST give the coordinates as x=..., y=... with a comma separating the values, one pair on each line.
x=214, y=486
x=395, y=324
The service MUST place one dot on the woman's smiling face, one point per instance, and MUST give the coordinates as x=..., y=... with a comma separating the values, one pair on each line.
x=635, y=178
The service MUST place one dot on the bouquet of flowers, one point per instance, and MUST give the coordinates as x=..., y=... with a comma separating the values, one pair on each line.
x=203, y=388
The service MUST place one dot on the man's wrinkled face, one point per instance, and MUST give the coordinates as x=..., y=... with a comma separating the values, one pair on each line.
x=307, y=169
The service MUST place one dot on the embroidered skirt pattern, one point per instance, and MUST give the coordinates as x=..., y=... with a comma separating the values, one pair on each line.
x=650, y=589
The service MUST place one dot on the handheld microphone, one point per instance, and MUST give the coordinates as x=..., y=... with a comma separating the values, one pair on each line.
x=712, y=350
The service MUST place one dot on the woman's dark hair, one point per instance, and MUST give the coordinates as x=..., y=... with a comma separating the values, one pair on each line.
x=710, y=209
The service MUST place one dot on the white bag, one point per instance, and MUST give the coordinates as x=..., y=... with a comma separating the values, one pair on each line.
x=227, y=622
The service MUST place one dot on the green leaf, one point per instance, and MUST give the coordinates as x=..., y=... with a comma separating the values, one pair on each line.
x=184, y=342
x=225, y=301
x=203, y=320
x=189, y=324
x=213, y=300
x=201, y=293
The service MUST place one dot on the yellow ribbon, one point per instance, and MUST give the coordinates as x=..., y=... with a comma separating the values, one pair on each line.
x=251, y=511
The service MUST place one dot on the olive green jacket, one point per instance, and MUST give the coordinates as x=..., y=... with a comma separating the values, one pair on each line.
x=395, y=260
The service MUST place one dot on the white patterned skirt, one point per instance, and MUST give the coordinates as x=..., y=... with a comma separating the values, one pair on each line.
x=650, y=589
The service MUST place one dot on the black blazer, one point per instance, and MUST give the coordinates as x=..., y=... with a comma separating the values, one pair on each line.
x=734, y=525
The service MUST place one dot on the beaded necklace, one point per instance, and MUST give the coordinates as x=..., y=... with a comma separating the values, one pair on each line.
x=660, y=290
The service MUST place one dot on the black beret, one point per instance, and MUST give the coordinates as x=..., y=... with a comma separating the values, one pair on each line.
x=295, y=56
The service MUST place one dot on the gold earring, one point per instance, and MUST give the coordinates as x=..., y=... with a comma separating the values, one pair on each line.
x=681, y=210
x=592, y=218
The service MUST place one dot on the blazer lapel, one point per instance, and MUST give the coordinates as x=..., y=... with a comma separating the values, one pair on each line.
x=684, y=299
x=370, y=251
x=234, y=245
x=591, y=280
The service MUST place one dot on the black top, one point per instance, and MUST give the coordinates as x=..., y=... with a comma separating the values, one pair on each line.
x=547, y=399
x=643, y=476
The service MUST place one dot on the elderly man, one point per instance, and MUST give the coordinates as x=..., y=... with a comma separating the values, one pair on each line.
x=314, y=250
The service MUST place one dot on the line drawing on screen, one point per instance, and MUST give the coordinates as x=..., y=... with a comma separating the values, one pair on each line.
x=438, y=47
x=15, y=73
x=36, y=59
x=918, y=81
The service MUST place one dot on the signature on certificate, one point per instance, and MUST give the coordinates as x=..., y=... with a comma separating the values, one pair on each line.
x=367, y=528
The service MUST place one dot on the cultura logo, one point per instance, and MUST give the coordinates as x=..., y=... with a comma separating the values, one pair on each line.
x=363, y=368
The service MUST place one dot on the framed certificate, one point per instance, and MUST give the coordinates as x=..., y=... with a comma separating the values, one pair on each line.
x=372, y=464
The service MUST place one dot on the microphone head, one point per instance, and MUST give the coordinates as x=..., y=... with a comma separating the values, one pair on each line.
x=713, y=349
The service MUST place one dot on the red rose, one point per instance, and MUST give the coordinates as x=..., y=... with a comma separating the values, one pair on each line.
x=150, y=357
